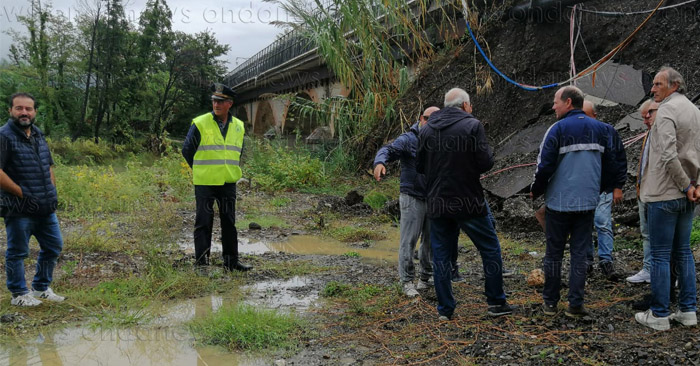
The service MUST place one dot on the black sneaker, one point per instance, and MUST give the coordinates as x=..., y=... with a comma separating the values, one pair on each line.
x=549, y=309
x=498, y=310
x=576, y=312
x=507, y=272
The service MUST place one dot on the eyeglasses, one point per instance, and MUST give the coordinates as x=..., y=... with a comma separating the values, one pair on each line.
x=649, y=112
x=220, y=101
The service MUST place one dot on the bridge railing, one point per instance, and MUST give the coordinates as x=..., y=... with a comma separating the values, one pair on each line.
x=290, y=45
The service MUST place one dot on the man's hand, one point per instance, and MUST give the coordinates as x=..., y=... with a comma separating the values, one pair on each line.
x=697, y=194
x=691, y=194
x=379, y=170
x=617, y=196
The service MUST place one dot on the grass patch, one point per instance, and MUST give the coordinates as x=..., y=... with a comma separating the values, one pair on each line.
x=243, y=327
x=352, y=254
x=280, y=201
x=288, y=269
x=363, y=299
x=695, y=232
x=376, y=200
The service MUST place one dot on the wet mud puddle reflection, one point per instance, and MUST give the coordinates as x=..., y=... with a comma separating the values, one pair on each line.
x=165, y=341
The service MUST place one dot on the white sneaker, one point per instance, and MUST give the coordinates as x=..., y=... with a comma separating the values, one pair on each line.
x=642, y=276
x=423, y=285
x=47, y=295
x=409, y=289
x=647, y=318
x=25, y=300
x=688, y=318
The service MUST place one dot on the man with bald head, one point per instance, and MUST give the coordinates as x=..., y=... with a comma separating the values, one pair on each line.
x=413, y=222
x=453, y=152
x=611, y=192
x=670, y=171
x=576, y=148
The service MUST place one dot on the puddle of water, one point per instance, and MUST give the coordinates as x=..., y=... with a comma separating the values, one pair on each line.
x=382, y=250
x=164, y=342
x=292, y=294
x=117, y=347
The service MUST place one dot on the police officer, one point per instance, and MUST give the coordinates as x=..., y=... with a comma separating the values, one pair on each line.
x=212, y=148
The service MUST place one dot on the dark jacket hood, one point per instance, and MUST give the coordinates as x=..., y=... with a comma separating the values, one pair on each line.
x=446, y=117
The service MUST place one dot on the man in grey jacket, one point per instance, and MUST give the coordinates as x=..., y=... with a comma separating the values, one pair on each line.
x=670, y=170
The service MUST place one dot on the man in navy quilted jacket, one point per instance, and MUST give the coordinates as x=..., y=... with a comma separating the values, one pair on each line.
x=28, y=203
x=414, y=220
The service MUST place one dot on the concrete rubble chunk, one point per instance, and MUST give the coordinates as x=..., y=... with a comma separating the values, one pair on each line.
x=615, y=82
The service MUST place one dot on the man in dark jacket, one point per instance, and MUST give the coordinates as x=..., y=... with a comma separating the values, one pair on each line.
x=576, y=148
x=452, y=153
x=28, y=203
x=412, y=203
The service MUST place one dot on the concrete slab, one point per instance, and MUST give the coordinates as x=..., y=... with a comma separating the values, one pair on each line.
x=510, y=182
x=523, y=142
x=615, y=82
x=632, y=121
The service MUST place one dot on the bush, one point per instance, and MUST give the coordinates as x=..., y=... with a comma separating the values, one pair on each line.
x=274, y=168
x=376, y=200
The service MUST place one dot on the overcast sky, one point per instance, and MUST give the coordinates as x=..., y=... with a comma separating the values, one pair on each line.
x=243, y=25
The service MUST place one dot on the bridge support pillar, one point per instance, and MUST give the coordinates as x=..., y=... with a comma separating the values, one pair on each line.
x=280, y=107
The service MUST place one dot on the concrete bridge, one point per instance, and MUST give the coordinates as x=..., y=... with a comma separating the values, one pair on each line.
x=291, y=66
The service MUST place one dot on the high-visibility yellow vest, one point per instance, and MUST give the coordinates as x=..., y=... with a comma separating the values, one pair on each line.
x=217, y=160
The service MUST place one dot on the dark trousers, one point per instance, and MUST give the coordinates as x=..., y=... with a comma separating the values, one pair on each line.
x=444, y=234
x=559, y=227
x=225, y=198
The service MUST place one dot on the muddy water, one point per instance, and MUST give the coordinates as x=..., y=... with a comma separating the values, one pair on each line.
x=384, y=250
x=164, y=342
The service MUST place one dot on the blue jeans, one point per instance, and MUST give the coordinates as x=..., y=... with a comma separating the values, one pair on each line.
x=670, y=223
x=444, y=233
x=560, y=226
x=46, y=231
x=603, y=225
x=644, y=230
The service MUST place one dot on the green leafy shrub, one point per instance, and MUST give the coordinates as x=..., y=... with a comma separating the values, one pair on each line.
x=274, y=168
x=376, y=200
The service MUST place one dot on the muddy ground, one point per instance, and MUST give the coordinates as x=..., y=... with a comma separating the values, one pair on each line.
x=405, y=330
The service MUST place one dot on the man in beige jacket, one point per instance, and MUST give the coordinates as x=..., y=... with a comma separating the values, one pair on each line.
x=670, y=170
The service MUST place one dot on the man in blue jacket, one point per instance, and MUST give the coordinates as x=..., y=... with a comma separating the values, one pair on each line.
x=452, y=153
x=28, y=202
x=573, y=155
x=412, y=203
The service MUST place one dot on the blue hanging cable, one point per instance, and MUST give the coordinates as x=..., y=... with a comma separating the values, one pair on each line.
x=488, y=61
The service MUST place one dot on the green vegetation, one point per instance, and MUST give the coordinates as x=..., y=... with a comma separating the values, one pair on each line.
x=272, y=167
x=363, y=299
x=280, y=201
x=352, y=254
x=695, y=233
x=243, y=327
x=98, y=76
x=376, y=200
